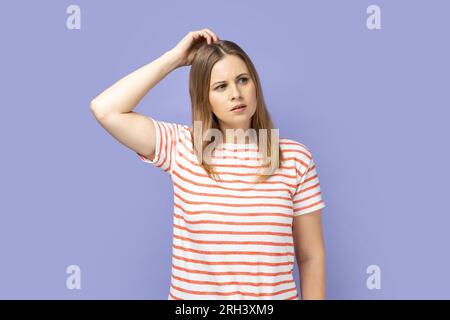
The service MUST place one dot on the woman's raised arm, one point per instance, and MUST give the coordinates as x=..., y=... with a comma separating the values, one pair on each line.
x=113, y=108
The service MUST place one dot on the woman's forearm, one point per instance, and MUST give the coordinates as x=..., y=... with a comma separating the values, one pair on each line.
x=126, y=93
x=312, y=278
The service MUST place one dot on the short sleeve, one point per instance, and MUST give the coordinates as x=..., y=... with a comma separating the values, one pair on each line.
x=307, y=197
x=166, y=137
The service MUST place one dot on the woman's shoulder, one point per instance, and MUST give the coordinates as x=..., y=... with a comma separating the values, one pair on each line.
x=171, y=130
x=291, y=145
x=297, y=152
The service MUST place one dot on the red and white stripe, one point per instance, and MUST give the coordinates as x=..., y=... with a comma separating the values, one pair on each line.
x=232, y=239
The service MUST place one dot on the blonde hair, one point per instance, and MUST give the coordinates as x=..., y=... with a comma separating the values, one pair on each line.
x=199, y=83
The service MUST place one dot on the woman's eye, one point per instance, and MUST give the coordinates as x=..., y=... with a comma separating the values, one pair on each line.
x=222, y=85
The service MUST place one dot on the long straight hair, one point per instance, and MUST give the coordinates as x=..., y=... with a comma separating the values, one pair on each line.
x=199, y=82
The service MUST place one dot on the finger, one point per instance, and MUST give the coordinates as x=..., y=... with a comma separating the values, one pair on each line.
x=197, y=34
x=213, y=35
x=207, y=36
x=201, y=34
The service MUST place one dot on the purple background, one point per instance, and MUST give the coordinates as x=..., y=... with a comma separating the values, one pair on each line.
x=372, y=105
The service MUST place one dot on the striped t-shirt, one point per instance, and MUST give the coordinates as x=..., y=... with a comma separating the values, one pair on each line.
x=232, y=239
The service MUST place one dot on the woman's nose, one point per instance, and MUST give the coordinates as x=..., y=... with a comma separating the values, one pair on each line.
x=235, y=91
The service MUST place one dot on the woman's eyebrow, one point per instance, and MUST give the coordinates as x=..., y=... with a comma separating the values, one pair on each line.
x=225, y=81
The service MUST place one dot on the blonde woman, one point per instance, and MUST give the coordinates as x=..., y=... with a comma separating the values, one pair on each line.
x=243, y=210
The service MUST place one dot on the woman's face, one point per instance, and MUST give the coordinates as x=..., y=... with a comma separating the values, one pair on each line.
x=231, y=84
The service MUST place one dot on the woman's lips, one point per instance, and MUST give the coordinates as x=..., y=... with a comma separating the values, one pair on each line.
x=239, y=109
